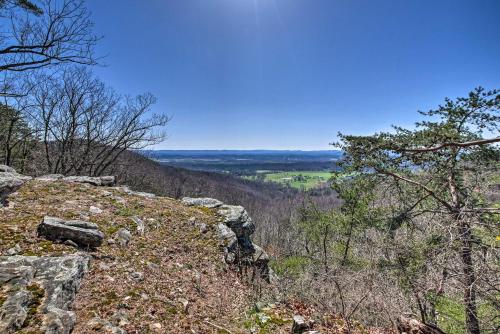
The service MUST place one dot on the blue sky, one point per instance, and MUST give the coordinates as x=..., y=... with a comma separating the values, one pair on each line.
x=290, y=74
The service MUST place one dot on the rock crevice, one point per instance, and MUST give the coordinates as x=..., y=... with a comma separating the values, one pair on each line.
x=47, y=285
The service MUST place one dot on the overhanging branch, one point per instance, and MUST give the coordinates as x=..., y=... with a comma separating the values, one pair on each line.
x=455, y=144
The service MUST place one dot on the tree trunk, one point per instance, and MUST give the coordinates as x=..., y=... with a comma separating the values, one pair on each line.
x=471, y=319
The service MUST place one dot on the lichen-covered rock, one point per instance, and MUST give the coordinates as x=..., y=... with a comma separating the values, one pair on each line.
x=204, y=202
x=225, y=234
x=95, y=181
x=237, y=219
x=234, y=234
x=84, y=234
x=44, y=285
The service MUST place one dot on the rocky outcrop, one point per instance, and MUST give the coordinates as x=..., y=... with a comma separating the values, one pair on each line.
x=42, y=285
x=50, y=177
x=84, y=234
x=7, y=169
x=413, y=326
x=10, y=181
x=95, y=181
x=128, y=191
x=235, y=232
x=205, y=202
x=238, y=220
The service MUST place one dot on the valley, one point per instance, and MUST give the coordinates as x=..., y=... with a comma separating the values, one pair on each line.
x=302, y=170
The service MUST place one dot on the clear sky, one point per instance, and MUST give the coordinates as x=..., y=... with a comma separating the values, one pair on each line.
x=290, y=74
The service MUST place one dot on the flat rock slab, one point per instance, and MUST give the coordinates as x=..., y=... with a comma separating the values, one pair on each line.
x=84, y=234
x=95, y=181
x=43, y=285
x=204, y=202
x=50, y=177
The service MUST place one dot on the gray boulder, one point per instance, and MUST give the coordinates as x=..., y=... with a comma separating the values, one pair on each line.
x=204, y=202
x=234, y=234
x=300, y=325
x=10, y=182
x=50, y=282
x=225, y=234
x=123, y=236
x=84, y=234
x=95, y=181
x=237, y=219
x=7, y=169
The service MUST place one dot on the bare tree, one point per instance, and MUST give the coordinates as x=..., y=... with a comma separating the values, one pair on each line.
x=85, y=126
x=45, y=33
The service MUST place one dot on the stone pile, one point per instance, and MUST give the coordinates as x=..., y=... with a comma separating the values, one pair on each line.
x=235, y=232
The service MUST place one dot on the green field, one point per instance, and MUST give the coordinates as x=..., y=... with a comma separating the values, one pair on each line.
x=301, y=180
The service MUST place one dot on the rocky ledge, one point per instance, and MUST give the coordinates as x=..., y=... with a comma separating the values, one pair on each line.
x=39, y=291
x=235, y=232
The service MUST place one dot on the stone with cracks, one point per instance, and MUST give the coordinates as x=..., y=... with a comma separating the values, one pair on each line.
x=50, y=177
x=237, y=219
x=225, y=234
x=204, y=202
x=84, y=234
x=234, y=233
x=50, y=282
x=95, y=181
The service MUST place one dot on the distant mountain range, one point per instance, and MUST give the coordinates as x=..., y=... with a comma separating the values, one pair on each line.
x=246, y=162
x=202, y=153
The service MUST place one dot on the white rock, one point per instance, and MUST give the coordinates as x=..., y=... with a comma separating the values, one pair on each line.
x=95, y=210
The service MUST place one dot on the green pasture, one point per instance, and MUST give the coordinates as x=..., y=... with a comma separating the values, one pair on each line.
x=301, y=180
